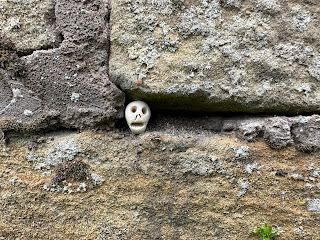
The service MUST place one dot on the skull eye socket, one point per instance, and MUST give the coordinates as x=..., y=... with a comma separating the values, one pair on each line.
x=134, y=109
x=144, y=110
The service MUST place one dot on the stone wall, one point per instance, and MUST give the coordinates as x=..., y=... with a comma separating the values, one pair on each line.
x=71, y=169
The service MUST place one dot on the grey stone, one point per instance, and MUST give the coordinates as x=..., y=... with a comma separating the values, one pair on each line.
x=229, y=125
x=251, y=129
x=228, y=55
x=65, y=151
x=67, y=86
x=213, y=124
x=277, y=132
x=306, y=133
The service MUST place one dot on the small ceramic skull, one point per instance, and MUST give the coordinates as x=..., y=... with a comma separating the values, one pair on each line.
x=137, y=115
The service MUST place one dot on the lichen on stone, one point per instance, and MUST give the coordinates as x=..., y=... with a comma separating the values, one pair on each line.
x=272, y=6
x=244, y=187
x=314, y=205
x=251, y=58
x=294, y=52
x=242, y=152
x=64, y=152
x=314, y=69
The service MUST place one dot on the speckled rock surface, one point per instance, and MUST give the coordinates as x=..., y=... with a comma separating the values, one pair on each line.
x=306, y=133
x=174, y=183
x=66, y=86
x=277, y=132
x=30, y=24
x=190, y=175
x=228, y=55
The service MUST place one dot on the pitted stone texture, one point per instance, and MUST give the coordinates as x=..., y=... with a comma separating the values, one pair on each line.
x=83, y=22
x=306, y=133
x=30, y=24
x=230, y=55
x=251, y=129
x=66, y=86
x=278, y=132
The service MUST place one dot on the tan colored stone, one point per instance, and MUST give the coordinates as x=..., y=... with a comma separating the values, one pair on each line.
x=153, y=189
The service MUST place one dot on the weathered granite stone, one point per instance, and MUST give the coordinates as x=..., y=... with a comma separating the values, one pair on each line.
x=67, y=86
x=230, y=55
x=306, y=133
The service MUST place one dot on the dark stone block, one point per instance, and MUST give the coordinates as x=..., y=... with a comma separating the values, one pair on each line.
x=66, y=86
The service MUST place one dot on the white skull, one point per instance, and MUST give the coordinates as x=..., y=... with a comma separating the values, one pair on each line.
x=137, y=115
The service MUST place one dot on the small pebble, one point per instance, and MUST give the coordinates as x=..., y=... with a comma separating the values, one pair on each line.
x=281, y=173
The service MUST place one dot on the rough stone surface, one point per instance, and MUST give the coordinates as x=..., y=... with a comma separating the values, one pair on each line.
x=64, y=152
x=307, y=133
x=170, y=184
x=278, y=132
x=229, y=55
x=190, y=175
x=30, y=24
x=251, y=129
x=67, y=86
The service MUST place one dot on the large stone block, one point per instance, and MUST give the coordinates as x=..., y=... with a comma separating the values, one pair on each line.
x=174, y=184
x=65, y=86
x=241, y=56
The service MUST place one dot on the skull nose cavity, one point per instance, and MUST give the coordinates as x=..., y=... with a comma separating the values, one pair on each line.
x=138, y=115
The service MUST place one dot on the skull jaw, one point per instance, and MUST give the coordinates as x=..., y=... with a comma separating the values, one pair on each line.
x=137, y=128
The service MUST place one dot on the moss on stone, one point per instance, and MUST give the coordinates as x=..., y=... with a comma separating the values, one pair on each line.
x=74, y=170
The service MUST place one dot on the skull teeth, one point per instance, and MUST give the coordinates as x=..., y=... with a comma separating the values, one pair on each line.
x=137, y=125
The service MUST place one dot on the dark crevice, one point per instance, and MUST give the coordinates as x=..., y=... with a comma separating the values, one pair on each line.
x=108, y=45
x=194, y=119
x=185, y=113
x=200, y=105
x=39, y=132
